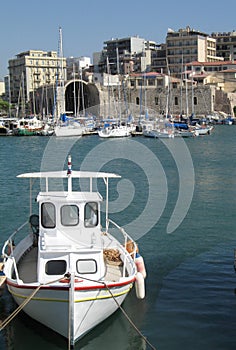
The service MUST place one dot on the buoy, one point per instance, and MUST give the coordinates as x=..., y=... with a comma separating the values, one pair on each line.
x=140, y=265
x=129, y=247
x=139, y=286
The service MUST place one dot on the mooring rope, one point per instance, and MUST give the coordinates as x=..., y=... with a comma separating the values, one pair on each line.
x=21, y=306
x=123, y=311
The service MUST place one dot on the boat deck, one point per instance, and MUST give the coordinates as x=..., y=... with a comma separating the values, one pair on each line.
x=27, y=268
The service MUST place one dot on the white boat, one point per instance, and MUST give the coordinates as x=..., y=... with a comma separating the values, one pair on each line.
x=115, y=131
x=69, y=127
x=203, y=129
x=184, y=133
x=29, y=126
x=160, y=133
x=3, y=129
x=68, y=272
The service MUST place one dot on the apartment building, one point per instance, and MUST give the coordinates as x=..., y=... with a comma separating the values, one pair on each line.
x=188, y=45
x=75, y=66
x=125, y=55
x=33, y=69
x=226, y=45
x=220, y=74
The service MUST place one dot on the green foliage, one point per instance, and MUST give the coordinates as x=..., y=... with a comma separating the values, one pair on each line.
x=4, y=106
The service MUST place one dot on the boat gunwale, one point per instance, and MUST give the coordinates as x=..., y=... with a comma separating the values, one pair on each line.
x=103, y=285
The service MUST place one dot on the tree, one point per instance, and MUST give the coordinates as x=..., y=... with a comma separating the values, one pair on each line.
x=4, y=106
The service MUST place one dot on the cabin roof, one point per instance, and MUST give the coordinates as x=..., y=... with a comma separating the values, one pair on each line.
x=74, y=174
x=56, y=196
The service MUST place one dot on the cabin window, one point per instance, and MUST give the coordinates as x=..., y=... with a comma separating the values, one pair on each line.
x=86, y=266
x=55, y=267
x=48, y=215
x=91, y=214
x=69, y=215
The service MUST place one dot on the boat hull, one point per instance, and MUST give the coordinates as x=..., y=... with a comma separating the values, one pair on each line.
x=115, y=132
x=51, y=306
x=65, y=131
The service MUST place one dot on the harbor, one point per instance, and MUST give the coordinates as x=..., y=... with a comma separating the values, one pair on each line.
x=190, y=285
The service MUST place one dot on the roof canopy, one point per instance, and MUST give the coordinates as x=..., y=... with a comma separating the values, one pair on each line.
x=74, y=174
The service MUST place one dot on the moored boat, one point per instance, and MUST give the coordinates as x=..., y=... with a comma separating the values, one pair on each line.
x=68, y=272
x=115, y=131
x=28, y=126
x=68, y=126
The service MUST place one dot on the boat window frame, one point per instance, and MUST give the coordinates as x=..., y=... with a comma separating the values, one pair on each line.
x=56, y=272
x=61, y=215
x=92, y=220
x=47, y=216
x=87, y=272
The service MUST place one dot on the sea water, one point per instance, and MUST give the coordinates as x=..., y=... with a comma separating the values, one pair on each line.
x=190, y=298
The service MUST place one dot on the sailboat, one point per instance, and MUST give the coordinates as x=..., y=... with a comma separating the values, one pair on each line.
x=65, y=126
x=67, y=271
x=119, y=129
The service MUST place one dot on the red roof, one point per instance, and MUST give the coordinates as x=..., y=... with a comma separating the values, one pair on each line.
x=219, y=63
x=147, y=75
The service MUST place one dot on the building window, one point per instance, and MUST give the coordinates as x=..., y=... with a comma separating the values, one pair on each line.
x=176, y=101
x=156, y=101
x=151, y=82
x=137, y=100
x=195, y=100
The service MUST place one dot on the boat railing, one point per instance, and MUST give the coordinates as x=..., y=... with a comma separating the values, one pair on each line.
x=128, y=243
x=10, y=242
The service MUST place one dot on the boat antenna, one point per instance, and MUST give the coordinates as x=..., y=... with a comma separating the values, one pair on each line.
x=69, y=172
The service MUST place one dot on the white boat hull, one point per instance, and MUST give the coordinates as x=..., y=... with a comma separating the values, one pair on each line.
x=203, y=131
x=65, y=131
x=121, y=131
x=51, y=307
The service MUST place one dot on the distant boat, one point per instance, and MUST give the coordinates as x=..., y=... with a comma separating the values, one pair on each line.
x=68, y=272
x=159, y=129
x=203, y=129
x=115, y=130
x=28, y=126
x=155, y=133
x=68, y=126
x=3, y=129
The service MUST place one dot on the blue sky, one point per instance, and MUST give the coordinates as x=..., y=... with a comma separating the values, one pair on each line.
x=26, y=25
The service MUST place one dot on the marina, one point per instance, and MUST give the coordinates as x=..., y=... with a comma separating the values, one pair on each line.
x=190, y=297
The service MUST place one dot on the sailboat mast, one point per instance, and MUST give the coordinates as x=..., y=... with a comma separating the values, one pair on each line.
x=118, y=73
x=60, y=94
x=108, y=83
x=186, y=91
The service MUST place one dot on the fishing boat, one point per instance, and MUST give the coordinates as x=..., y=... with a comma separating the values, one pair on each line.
x=68, y=272
x=28, y=126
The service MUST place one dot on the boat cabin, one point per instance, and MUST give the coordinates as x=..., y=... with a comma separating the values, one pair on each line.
x=69, y=235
